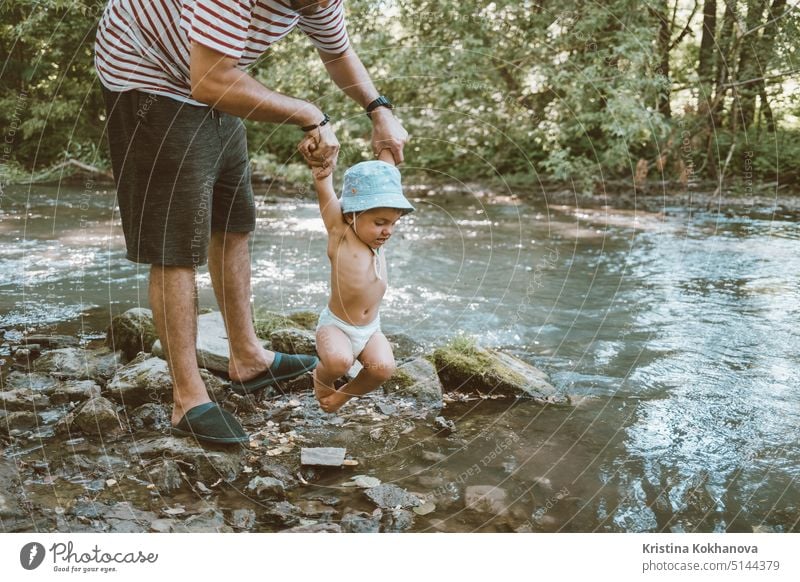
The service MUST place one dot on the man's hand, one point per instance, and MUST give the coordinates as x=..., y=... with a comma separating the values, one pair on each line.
x=388, y=134
x=320, y=148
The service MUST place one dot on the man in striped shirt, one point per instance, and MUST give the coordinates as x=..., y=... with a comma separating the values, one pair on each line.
x=174, y=79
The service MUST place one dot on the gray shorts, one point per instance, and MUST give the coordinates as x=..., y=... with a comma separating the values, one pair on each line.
x=181, y=171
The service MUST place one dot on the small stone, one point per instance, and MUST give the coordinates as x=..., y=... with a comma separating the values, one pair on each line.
x=444, y=424
x=166, y=475
x=162, y=526
x=388, y=496
x=397, y=520
x=97, y=416
x=433, y=456
x=365, y=481
x=486, y=499
x=268, y=487
x=387, y=409
x=349, y=463
x=51, y=341
x=322, y=456
x=243, y=519
x=426, y=508
x=315, y=528
x=361, y=522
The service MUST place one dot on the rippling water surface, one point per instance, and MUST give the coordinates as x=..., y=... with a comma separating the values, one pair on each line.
x=676, y=333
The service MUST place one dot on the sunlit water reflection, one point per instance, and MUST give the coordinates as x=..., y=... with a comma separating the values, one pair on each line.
x=675, y=333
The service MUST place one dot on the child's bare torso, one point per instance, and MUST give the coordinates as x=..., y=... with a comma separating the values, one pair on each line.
x=356, y=289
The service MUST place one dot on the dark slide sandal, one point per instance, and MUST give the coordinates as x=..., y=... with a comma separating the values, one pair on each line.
x=285, y=367
x=211, y=424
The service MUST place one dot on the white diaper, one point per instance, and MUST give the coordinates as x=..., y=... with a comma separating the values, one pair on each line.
x=357, y=334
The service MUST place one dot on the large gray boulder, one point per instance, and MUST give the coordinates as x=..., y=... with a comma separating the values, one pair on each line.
x=147, y=379
x=132, y=332
x=294, y=341
x=97, y=416
x=213, y=351
x=464, y=367
x=418, y=379
x=78, y=363
x=202, y=463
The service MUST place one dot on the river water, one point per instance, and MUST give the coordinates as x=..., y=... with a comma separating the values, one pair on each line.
x=675, y=332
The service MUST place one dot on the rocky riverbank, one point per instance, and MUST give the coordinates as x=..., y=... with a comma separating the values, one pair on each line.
x=84, y=432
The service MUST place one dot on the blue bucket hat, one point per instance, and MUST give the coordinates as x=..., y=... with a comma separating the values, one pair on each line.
x=373, y=184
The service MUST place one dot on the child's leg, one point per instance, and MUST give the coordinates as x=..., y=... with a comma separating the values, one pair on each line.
x=335, y=359
x=378, y=361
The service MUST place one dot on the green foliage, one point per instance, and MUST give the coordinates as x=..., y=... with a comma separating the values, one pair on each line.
x=570, y=90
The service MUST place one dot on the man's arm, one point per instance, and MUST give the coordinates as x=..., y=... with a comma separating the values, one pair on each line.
x=349, y=74
x=329, y=206
x=217, y=81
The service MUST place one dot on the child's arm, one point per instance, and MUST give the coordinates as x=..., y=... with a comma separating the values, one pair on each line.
x=329, y=206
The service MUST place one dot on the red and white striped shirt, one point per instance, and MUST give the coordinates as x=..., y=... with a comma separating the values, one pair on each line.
x=144, y=44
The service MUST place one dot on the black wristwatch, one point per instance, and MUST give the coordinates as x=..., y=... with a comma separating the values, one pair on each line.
x=379, y=102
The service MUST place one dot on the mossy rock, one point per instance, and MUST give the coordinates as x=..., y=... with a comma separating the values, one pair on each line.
x=267, y=322
x=464, y=367
x=305, y=319
x=132, y=332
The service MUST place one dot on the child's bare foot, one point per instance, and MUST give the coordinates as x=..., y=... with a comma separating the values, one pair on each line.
x=335, y=401
x=321, y=390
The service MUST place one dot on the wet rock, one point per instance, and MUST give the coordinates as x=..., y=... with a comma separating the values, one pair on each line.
x=404, y=347
x=166, y=476
x=268, y=321
x=132, y=332
x=9, y=475
x=97, y=416
x=21, y=421
x=315, y=528
x=30, y=383
x=201, y=463
x=417, y=379
x=304, y=383
x=486, y=499
x=150, y=415
x=210, y=521
x=427, y=507
x=87, y=508
x=305, y=319
x=433, y=456
x=162, y=526
x=294, y=341
x=464, y=367
x=78, y=364
x=243, y=519
x=144, y=379
x=75, y=391
x=387, y=496
x=279, y=472
x=51, y=342
x=315, y=508
x=213, y=352
x=267, y=487
x=22, y=400
x=322, y=456
x=444, y=425
x=362, y=522
x=397, y=520
x=280, y=515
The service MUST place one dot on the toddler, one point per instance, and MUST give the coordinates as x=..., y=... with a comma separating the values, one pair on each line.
x=359, y=224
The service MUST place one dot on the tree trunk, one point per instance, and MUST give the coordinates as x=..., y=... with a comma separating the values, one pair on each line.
x=664, y=41
x=705, y=65
x=765, y=51
x=749, y=66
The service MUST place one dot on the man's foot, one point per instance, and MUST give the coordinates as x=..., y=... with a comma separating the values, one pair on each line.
x=284, y=367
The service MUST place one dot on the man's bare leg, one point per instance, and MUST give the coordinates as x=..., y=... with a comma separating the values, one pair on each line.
x=173, y=298
x=229, y=266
